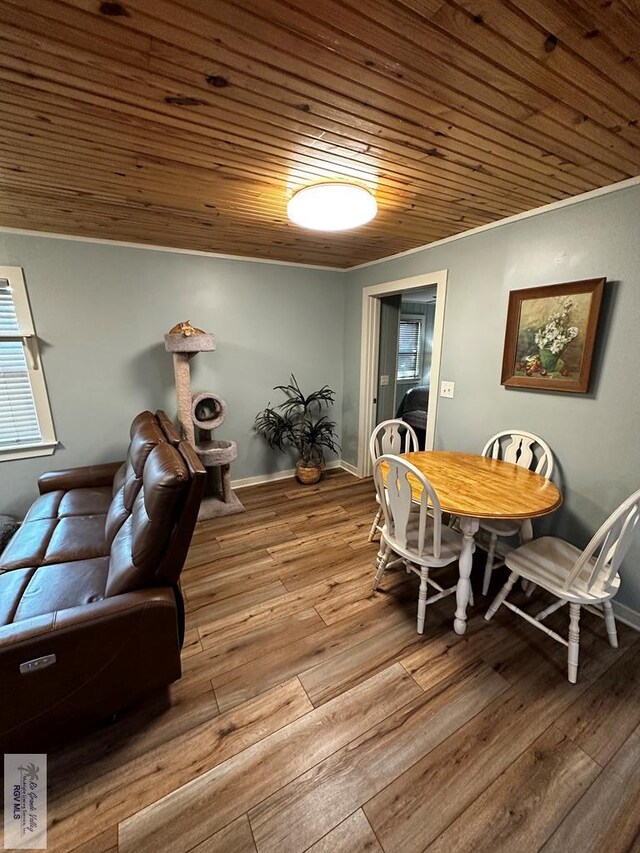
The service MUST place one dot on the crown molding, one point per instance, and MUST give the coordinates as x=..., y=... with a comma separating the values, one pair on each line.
x=101, y=241
x=526, y=214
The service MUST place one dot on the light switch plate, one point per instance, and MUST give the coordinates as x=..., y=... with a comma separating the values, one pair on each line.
x=447, y=388
x=384, y=380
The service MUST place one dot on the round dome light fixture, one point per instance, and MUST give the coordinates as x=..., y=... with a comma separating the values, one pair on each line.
x=332, y=206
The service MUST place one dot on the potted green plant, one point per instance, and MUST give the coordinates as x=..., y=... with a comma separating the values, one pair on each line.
x=298, y=423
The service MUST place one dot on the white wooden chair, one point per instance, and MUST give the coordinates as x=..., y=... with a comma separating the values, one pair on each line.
x=521, y=448
x=394, y=436
x=419, y=539
x=589, y=579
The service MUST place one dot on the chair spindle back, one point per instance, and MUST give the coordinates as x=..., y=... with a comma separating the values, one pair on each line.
x=521, y=448
x=394, y=436
x=394, y=478
x=609, y=545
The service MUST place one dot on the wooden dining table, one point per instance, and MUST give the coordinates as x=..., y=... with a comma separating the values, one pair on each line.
x=475, y=487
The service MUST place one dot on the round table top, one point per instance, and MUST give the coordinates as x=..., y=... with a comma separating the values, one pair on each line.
x=480, y=487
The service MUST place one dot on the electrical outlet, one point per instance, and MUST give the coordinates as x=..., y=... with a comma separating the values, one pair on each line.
x=447, y=388
x=384, y=380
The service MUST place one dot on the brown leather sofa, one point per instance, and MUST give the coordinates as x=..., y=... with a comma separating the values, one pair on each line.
x=91, y=615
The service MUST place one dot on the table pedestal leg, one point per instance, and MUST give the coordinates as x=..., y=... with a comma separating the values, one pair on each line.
x=469, y=527
x=526, y=530
x=526, y=535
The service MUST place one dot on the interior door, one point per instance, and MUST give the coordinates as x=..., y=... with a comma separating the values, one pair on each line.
x=388, y=358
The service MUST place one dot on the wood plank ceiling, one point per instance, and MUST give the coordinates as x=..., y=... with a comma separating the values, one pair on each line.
x=190, y=122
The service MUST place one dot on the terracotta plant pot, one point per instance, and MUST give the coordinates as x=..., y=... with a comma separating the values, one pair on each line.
x=308, y=475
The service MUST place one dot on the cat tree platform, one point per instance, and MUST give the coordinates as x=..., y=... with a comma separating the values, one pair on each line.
x=191, y=344
x=217, y=456
x=203, y=412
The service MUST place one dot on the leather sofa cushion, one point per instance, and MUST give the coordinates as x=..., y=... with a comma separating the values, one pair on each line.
x=29, y=545
x=145, y=435
x=118, y=478
x=93, y=501
x=12, y=586
x=168, y=428
x=77, y=537
x=56, y=540
x=29, y=592
x=137, y=548
x=46, y=506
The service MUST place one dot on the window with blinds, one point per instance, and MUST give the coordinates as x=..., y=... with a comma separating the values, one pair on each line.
x=26, y=427
x=410, y=348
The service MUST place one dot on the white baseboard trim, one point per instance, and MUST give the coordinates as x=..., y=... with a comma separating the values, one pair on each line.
x=627, y=615
x=349, y=468
x=276, y=475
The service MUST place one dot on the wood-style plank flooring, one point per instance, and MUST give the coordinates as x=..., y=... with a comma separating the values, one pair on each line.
x=312, y=716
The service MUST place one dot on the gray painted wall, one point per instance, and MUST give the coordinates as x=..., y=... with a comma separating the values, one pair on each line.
x=101, y=311
x=595, y=437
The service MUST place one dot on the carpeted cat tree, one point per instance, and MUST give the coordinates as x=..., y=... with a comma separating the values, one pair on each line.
x=205, y=412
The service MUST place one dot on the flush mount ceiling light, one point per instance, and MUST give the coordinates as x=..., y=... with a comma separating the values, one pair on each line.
x=332, y=206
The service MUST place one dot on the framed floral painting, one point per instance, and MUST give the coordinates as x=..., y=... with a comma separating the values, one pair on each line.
x=551, y=333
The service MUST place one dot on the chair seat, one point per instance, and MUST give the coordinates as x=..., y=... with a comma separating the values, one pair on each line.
x=450, y=545
x=501, y=526
x=547, y=561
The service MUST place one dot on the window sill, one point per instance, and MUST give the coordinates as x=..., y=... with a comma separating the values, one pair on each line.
x=44, y=448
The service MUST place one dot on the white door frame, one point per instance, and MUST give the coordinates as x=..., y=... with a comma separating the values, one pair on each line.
x=369, y=356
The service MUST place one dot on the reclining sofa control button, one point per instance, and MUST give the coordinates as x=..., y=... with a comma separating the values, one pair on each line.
x=37, y=663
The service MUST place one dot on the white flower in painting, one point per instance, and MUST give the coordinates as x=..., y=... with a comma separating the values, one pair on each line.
x=555, y=335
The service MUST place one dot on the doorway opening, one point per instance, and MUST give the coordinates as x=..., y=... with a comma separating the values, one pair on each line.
x=402, y=328
x=405, y=349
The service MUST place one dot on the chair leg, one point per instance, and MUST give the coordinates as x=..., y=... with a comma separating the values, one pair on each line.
x=550, y=609
x=610, y=621
x=574, y=642
x=491, y=553
x=382, y=565
x=374, y=526
x=500, y=597
x=422, y=599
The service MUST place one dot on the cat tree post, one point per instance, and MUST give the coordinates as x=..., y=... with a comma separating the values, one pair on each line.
x=206, y=411
x=182, y=374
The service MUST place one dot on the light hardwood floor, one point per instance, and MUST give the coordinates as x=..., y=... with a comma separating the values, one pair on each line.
x=312, y=716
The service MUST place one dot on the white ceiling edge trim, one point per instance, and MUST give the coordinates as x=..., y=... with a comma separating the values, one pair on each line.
x=526, y=214
x=102, y=241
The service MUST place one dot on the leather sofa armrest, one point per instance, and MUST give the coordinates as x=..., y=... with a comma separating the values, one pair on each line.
x=48, y=626
x=78, y=478
x=93, y=661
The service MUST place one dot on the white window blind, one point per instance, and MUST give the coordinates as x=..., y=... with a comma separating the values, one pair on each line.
x=409, y=348
x=26, y=427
